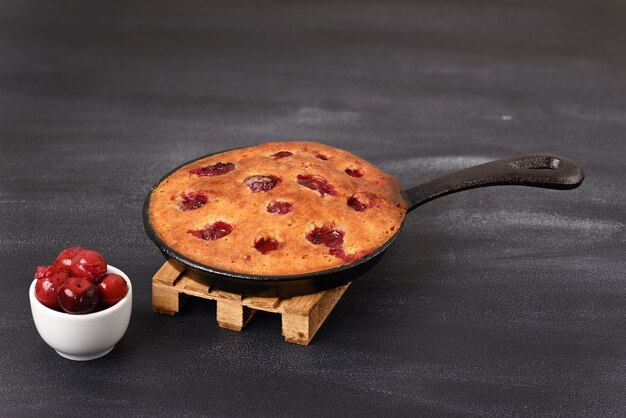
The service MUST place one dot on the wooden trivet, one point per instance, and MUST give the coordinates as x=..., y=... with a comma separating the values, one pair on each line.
x=301, y=316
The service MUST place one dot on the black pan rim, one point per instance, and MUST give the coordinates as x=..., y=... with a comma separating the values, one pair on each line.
x=154, y=237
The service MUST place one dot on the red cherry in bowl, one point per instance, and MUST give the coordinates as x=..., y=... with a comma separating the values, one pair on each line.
x=112, y=289
x=47, y=288
x=78, y=295
x=65, y=257
x=88, y=264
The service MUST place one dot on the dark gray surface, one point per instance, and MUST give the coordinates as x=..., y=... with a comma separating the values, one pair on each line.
x=501, y=301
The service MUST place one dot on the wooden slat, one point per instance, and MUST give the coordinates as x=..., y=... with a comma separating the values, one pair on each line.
x=166, y=299
x=225, y=295
x=261, y=302
x=169, y=272
x=301, y=305
x=295, y=328
x=301, y=329
x=232, y=315
x=192, y=287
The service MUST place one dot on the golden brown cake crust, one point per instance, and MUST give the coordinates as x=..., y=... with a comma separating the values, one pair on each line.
x=367, y=210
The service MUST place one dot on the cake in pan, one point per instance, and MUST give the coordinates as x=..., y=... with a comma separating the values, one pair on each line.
x=276, y=209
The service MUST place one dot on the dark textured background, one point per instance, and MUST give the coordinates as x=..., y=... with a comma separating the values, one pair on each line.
x=501, y=301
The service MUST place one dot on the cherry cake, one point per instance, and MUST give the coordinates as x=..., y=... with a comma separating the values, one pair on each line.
x=276, y=209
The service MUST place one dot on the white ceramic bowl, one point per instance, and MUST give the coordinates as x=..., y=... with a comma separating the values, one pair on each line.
x=83, y=337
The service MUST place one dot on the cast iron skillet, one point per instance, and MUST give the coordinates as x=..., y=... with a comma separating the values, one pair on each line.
x=537, y=170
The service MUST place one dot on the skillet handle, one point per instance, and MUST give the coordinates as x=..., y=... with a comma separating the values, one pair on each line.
x=537, y=170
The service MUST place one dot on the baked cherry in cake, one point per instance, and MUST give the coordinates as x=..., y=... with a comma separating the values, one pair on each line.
x=354, y=172
x=217, y=169
x=362, y=200
x=212, y=231
x=317, y=183
x=192, y=200
x=282, y=154
x=261, y=183
x=328, y=235
x=281, y=208
x=265, y=245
